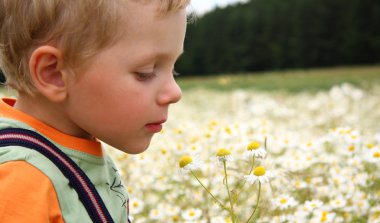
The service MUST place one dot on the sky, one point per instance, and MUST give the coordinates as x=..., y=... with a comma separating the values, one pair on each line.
x=202, y=6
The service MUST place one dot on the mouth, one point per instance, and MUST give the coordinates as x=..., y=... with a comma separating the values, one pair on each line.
x=155, y=127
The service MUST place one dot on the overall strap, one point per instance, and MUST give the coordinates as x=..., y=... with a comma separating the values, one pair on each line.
x=77, y=178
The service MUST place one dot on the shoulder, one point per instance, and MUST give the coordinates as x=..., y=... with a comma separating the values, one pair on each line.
x=21, y=171
x=27, y=194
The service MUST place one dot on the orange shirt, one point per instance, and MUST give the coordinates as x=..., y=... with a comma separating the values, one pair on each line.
x=33, y=198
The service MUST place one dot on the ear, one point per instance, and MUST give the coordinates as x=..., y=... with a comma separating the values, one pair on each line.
x=45, y=66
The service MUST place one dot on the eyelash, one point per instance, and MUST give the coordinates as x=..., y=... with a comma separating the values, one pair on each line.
x=145, y=76
x=175, y=73
x=148, y=76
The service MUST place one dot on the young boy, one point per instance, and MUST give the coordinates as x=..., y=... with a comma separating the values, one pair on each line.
x=85, y=71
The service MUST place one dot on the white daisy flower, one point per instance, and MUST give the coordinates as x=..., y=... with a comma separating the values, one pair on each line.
x=156, y=214
x=298, y=184
x=374, y=215
x=259, y=174
x=285, y=201
x=313, y=204
x=187, y=164
x=323, y=216
x=223, y=155
x=255, y=149
x=136, y=205
x=220, y=219
x=373, y=155
x=377, y=137
x=192, y=214
x=338, y=202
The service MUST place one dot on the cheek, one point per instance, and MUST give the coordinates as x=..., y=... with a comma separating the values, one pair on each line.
x=116, y=108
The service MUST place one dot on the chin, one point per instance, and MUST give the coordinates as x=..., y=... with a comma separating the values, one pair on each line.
x=133, y=149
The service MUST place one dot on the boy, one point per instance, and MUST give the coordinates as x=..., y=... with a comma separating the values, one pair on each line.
x=84, y=71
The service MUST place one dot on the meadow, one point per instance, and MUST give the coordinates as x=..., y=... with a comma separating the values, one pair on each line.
x=321, y=140
x=305, y=143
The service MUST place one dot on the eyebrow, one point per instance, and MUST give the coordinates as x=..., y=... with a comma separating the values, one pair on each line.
x=167, y=55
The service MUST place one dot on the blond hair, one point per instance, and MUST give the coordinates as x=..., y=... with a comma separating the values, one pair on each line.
x=80, y=27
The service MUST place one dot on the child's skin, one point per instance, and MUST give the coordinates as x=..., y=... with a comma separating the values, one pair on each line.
x=122, y=95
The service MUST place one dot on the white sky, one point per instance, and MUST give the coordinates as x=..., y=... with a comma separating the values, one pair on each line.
x=202, y=6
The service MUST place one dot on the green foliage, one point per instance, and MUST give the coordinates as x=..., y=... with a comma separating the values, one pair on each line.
x=277, y=34
x=311, y=80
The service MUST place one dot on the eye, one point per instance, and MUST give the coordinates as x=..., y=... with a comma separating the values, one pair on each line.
x=144, y=76
x=175, y=73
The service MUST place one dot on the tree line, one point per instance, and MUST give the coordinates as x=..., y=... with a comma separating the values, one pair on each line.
x=279, y=34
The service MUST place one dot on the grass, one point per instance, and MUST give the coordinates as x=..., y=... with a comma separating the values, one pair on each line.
x=290, y=80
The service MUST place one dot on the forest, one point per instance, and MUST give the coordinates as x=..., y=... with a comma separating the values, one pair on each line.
x=282, y=34
x=262, y=35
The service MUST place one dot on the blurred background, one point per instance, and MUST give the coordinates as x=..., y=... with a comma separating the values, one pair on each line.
x=245, y=36
x=259, y=35
x=301, y=76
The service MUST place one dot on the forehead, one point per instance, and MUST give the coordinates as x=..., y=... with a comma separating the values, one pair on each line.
x=144, y=16
x=144, y=32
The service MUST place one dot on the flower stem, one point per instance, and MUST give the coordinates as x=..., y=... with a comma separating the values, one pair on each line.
x=257, y=203
x=250, y=171
x=215, y=199
x=253, y=163
x=228, y=191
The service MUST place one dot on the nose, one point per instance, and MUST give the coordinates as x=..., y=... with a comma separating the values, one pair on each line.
x=170, y=93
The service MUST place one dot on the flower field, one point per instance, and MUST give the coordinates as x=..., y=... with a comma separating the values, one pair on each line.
x=322, y=150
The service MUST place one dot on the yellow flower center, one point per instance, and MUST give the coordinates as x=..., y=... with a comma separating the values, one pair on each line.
x=178, y=131
x=324, y=216
x=184, y=161
x=223, y=152
x=213, y=123
x=351, y=148
x=192, y=213
x=376, y=155
x=228, y=220
x=253, y=146
x=370, y=145
x=228, y=130
x=259, y=171
x=283, y=201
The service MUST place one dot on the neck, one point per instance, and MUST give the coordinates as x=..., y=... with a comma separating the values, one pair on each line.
x=50, y=113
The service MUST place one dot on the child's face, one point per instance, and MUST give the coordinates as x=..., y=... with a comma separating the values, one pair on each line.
x=123, y=96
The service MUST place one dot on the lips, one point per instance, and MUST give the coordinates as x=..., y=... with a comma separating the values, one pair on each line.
x=155, y=127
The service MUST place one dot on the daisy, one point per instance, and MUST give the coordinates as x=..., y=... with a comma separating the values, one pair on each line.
x=220, y=219
x=192, y=214
x=338, y=202
x=285, y=201
x=255, y=149
x=377, y=137
x=373, y=155
x=188, y=164
x=298, y=184
x=374, y=215
x=323, y=216
x=156, y=214
x=223, y=155
x=136, y=205
x=313, y=204
x=259, y=174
